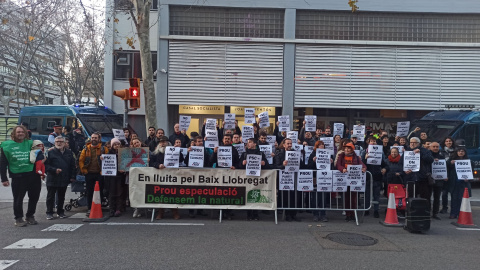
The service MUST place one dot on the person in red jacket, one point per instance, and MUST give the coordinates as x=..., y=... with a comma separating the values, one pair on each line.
x=348, y=157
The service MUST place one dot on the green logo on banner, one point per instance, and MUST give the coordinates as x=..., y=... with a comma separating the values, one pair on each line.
x=255, y=196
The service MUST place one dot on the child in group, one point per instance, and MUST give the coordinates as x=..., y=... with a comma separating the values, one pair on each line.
x=37, y=157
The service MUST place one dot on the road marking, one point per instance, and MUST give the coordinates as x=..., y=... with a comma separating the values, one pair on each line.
x=78, y=215
x=62, y=228
x=148, y=224
x=469, y=229
x=6, y=263
x=31, y=244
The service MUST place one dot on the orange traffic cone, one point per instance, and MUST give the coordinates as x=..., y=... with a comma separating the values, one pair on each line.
x=465, y=218
x=96, y=214
x=391, y=219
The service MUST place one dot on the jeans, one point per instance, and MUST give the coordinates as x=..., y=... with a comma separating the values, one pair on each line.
x=51, y=194
x=31, y=184
x=90, y=180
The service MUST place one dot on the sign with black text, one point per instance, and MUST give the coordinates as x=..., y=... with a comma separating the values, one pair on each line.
x=305, y=180
x=109, y=165
x=254, y=166
x=463, y=169
x=411, y=161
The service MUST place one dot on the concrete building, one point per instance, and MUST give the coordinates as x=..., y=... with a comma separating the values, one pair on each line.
x=388, y=62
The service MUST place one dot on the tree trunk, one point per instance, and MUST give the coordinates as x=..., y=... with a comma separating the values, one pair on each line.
x=142, y=8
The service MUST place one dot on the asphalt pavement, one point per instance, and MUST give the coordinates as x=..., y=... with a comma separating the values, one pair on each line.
x=204, y=243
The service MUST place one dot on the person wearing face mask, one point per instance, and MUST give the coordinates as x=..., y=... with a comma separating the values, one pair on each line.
x=61, y=171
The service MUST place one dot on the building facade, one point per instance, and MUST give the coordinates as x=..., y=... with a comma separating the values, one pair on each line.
x=388, y=62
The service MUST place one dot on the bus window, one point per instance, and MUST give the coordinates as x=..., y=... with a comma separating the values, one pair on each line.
x=71, y=122
x=31, y=122
x=470, y=134
x=48, y=123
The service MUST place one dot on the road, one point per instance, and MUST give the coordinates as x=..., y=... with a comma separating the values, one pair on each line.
x=204, y=243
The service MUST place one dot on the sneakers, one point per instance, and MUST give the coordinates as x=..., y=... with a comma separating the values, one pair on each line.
x=19, y=222
x=136, y=213
x=31, y=221
x=50, y=216
x=62, y=215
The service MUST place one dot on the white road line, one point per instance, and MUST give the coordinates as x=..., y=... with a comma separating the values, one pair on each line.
x=6, y=263
x=148, y=224
x=62, y=228
x=31, y=244
x=469, y=229
x=78, y=215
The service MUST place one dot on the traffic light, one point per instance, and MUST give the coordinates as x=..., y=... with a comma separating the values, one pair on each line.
x=134, y=93
x=123, y=94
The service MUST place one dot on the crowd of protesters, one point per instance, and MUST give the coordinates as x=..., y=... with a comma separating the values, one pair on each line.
x=27, y=162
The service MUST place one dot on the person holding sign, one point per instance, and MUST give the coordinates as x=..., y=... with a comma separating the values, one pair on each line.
x=438, y=184
x=346, y=158
x=177, y=134
x=448, y=149
x=322, y=200
x=116, y=184
x=457, y=186
x=378, y=170
x=220, y=159
x=312, y=159
x=157, y=161
x=421, y=176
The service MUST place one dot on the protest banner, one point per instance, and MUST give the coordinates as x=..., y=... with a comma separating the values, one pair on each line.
x=224, y=156
x=202, y=189
x=324, y=181
x=359, y=130
x=249, y=116
x=119, y=134
x=109, y=165
x=375, y=153
x=463, y=168
x=293, y=135
x=264, y=122
x=267, y=150
x=184, y=152
x=293, y=161
x=229, y=121
x=439, y=169
x=411, y=161
x=310, y=123
x=132, y=157
x=328, y=141
x=271, y=140
x=323, y=159
x=284, y=122
x=339, y=182
x=196, y=157
x=338, y=129
x=184, y=122
x=172, y=157
x=211, y=124
x=247, y=133
x=305, y=180
x=240, y=148
x=308, y=152
x=403, y=128
x=211, y=138
x=254, y=165
x=286, y=180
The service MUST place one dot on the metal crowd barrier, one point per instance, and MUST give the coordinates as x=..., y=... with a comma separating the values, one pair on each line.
x=327, y=201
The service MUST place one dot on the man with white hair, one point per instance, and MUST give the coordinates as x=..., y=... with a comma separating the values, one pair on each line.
x=421, y=177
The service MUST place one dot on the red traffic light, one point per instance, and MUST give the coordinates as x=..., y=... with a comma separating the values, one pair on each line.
x=134, y=92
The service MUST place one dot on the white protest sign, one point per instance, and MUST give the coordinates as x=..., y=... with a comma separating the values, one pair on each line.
x=211, y=138
x=323, y=159
x=196, y=156
x=271, y=140
x=286, y=181
x=284, y=123
x=338, y=129
x=439, y=169
x=247, y=133
x=254, y=166
x=224, y=156
x=375, y=154
x=264, y=122
x=184, y=122
x=119, y=134
x=240, y=148
x=249, y=116
x=109, y=165
x=305, y=180
x=359, y=130
x=267, y=150
x=403, y=128
x=229, y=121
x=324, y=181
x=293, y=161
x=308, y=152
x=293, y=135
x=355, y=177
x=463, y=169
x=184, y=152
x=328, y=141
x=339, y=182
x=211, y=124
x=297, y=147
x=399, y=147
x=411, y=161
x=172, y=157
x=310, y=122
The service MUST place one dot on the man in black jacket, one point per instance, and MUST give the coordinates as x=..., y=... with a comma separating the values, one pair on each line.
x=177, y=134
x=154, y=142
x=151, y=135
x=437, y=187
x=227, y=141
x=61, y=171
x=421, y=177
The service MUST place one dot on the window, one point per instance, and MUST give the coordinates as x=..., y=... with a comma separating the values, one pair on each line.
x=127, y=4
x=226, y=22
x=470, y=134
x=128, y=65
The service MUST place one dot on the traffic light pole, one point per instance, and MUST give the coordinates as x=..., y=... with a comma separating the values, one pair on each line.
x=125, y=114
